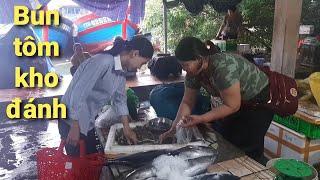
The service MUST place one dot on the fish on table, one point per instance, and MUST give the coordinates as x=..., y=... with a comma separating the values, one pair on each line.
x=138, y=159
x=206, y=176
x=199, y=165
x=143, y=158
x=216, y=176
x=191, y=152
x=145, y=172
x=197, y=158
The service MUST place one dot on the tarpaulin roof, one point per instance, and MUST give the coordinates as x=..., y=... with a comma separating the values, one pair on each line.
x=196, y=6
x=114, y=9
x=6, y=10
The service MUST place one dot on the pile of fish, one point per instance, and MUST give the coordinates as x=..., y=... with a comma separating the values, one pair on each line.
x=144, y=135
x=187, y=163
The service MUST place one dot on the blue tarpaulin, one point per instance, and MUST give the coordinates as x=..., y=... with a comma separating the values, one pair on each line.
x=116, y=9
x=113, y=9
x=6, y=8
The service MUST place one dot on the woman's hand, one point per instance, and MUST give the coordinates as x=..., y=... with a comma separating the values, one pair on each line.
x=186, y=121
x=130, y=135
x=74, y=134
x=128, y=132
x=190, y=121
x=165, y=135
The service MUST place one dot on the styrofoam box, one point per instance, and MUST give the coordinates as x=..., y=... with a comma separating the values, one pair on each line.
x=113, y=148
x=275, y=130
x=294, y=138
x=286, y=152
x=271, y=144
x=314, y=157
x=299, y=140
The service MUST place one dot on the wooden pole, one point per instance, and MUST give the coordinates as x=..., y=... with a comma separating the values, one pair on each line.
x=165, y=26
x=285, y=36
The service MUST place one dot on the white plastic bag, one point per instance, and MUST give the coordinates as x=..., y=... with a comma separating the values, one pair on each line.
x=185, y=135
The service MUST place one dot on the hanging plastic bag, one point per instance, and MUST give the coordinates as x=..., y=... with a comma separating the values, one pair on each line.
x=183, y=135
x=187, y=135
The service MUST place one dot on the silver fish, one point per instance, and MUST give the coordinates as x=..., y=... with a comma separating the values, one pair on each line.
x=199, y=165
x=198, y=157
x=152, y=178
x=216, y=176
x=196, y=148
x=192, y=155
x=142, y=173
x=191, y=152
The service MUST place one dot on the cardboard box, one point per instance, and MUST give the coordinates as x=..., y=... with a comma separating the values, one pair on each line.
x=283, y=142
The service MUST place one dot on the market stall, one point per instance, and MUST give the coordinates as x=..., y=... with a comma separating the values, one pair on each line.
x=229, y=162
x=198, y=152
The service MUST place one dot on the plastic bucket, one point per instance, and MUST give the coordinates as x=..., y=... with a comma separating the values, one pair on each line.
x=285, y=170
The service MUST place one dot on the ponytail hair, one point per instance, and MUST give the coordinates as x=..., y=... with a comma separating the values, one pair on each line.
x=119, y=45
x=191, y=48
x=142, y=44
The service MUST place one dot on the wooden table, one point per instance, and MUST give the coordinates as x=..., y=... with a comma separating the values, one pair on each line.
x=146, y=79
x=141, y=80
x=309, y=112
x=226, y=150
x=243, y=167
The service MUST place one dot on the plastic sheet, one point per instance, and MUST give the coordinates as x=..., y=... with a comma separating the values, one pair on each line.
x=187, y=135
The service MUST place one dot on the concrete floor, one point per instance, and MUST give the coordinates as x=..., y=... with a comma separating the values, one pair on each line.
x=62, y=66
x=19, y=142
x=21, y=139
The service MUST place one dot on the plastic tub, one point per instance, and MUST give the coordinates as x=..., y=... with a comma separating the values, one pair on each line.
x=309, y=130
x=289, y=168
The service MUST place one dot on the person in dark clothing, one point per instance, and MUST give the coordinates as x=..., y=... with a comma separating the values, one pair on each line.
x=231, y=24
